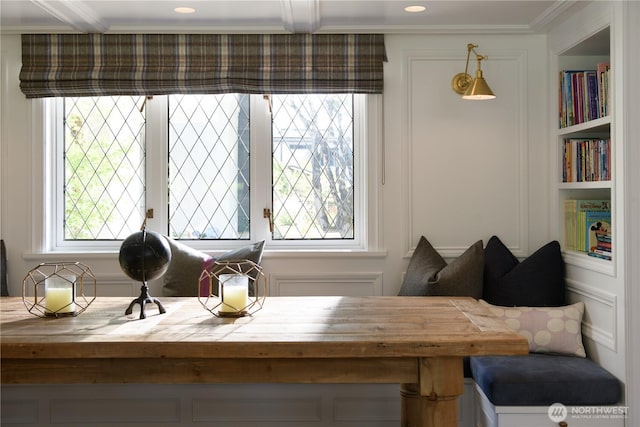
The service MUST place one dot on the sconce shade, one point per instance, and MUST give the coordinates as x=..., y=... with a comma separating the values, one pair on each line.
x=478, y=89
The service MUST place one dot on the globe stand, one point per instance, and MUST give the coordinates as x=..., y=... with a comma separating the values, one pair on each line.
x=144, y=299
x=144, y=255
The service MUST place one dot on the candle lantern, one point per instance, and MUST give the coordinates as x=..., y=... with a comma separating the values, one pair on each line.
x=232, y=288
x=59, y=289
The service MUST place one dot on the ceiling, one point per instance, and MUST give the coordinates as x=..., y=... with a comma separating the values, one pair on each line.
x=276, y=16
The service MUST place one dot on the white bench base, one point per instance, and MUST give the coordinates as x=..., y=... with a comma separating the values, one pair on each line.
x=489, y=415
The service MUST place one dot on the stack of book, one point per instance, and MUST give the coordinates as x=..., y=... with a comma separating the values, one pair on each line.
x=586, y=160
x=588, y=227
x=584, y=95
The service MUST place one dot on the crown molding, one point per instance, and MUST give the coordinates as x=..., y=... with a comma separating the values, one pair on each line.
x=276, y=29
x=300, y=16
x=428, y=29
x=554, y=11
x=75, y=13
x=296, y=16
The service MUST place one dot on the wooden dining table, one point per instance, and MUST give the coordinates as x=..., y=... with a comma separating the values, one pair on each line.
x=418, y=342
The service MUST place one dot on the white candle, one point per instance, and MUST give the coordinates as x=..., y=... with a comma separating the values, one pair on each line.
x=58, y=294
x=235, y=292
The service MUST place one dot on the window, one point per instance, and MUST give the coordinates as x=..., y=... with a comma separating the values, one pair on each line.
x=103, y=173
x=208, y=167
x=313, y=167
x=215, y=169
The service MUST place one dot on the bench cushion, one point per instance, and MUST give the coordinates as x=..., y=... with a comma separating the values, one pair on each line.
x=542, y=379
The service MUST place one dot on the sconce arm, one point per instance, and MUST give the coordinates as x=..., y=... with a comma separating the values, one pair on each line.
x=462, y=81
x=471, y=48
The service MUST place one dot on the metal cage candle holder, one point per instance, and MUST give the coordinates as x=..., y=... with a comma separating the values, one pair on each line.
x=232, y=288
x=59, y=289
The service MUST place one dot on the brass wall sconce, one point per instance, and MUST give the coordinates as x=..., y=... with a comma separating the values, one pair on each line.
x=468, y=87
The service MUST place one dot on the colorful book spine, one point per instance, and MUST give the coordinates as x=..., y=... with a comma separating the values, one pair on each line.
x=587, y=225
x=586, y=160
x=598, y=232
x=570, y=230
x=584, y=95
x=602, y=71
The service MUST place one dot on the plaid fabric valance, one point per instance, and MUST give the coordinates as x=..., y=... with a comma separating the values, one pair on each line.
x=155, y=64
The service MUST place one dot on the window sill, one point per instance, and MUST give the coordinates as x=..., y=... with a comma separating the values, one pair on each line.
x=268, y=254
x=324, y=254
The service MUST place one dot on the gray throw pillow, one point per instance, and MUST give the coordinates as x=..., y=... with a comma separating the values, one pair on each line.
x=182, y=278
x=428, y=274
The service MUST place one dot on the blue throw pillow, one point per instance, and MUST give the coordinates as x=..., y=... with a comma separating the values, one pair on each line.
x=537, y=281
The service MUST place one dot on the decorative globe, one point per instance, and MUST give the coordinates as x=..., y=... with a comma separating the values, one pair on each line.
x=145, y=255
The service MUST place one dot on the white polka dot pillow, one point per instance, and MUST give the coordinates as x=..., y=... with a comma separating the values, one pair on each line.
x=548, y=329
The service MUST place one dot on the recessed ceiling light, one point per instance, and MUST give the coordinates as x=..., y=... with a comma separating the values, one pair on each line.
x=184, y=10
x=415, y=9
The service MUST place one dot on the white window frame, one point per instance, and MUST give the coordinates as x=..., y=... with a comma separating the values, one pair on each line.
x=368, y=177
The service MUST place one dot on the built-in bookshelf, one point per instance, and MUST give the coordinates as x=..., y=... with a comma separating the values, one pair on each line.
x=585, y=153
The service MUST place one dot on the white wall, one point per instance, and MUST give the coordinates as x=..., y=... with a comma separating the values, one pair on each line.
x=455, y=171
x=631, y=159
x=461, y=170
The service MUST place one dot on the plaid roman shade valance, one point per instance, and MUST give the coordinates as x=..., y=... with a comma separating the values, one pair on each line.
x=155, y=64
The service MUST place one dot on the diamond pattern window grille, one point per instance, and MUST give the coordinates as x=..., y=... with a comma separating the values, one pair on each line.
x=209, y=166
x=104, y=167
x=313, y=177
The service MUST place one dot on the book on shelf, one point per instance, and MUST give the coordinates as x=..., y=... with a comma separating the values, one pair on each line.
x=584, y=95
x=586, y=160
x=602, y=70
x=587, y=225
x=598, y=233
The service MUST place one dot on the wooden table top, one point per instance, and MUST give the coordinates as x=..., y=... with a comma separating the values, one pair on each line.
x=286, y=327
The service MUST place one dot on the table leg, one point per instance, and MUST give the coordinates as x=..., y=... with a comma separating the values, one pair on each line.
x=434, y=401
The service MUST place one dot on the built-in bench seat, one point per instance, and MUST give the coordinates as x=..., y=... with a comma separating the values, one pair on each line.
x=543, y=379
x=517, y=391
x=530, y=297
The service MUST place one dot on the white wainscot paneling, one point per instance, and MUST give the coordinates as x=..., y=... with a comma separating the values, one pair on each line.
x=19, y=411
x=237, y=405
x=599, y=322
x=87, y=411
x=111, y=285
x=220, y=405
x=465, y=166
x=257, y=409
x=343, y=284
